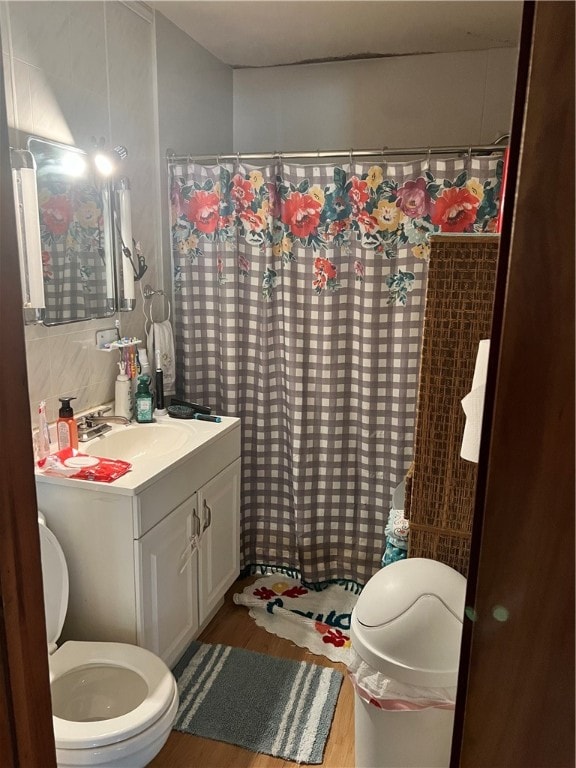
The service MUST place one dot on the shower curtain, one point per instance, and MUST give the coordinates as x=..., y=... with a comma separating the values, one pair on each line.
x=299, y=298
x=73, y=259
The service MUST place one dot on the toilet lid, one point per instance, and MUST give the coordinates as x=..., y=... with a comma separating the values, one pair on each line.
x=55, y=582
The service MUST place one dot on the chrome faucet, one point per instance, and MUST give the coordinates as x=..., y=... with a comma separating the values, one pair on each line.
x=91, y=419
x=96, y=424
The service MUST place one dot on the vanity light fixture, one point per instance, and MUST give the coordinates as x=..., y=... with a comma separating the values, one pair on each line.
x=116, y=191
x=28, y=232
x=107, y=161
x=122, y=213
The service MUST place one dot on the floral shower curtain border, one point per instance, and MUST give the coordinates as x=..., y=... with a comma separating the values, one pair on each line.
x=376, y=212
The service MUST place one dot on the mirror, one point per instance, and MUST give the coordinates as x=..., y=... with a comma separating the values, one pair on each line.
x=75, y=235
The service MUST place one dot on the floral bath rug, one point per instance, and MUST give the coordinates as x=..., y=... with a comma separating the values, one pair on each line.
x=317, y=620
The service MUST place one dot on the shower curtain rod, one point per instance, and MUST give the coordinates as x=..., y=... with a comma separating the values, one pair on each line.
x=350, y=153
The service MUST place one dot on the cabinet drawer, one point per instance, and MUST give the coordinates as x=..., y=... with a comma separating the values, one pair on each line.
x=157, y=501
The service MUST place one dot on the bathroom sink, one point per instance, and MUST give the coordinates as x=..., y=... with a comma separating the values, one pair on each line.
x=141, y=441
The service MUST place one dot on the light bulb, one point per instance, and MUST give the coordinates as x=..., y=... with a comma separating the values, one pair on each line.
x=108, y=160
x=104, y=164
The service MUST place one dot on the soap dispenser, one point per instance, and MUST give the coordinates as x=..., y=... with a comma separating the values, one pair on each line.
x=66, y=427
x=122, y=393
x=143, y=400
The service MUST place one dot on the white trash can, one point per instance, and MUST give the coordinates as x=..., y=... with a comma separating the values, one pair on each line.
x=406, y=630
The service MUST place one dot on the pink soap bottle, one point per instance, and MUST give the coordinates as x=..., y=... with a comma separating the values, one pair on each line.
x=66, y=427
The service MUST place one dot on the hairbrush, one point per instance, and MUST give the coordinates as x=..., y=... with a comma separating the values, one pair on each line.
x=180, y=409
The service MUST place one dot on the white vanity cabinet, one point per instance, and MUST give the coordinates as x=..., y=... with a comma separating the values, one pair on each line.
x=151, y=555
x=186, y=563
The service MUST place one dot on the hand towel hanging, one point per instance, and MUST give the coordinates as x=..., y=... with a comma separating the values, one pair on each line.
x=160, y=337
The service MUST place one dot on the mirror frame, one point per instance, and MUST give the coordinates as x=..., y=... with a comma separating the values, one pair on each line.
x=114, y=231
x=102, y=187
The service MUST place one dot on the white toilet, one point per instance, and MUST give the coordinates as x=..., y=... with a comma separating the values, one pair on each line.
x=113, y=704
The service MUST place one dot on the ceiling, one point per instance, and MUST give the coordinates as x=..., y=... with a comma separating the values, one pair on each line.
x=267, y=33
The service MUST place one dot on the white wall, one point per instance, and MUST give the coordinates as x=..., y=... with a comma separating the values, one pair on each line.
x=402, y=101
x=194, y=107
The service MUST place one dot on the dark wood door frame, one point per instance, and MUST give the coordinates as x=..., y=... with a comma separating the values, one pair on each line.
x=515, y=704
x=26, y=736
x=508, y=711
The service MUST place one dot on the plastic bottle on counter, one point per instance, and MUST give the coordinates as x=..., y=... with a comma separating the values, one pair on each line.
x=43, y=435
x=123, y=393
x=143, y=401
x=66, y=427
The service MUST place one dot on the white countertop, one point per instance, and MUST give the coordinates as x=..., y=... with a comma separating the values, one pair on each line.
x=146, y=470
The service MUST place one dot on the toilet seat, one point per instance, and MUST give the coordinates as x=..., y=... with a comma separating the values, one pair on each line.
x=73, y=655
x=113, y=704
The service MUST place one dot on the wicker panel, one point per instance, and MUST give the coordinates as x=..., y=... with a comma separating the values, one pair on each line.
x=458, y=315
x=447, y=548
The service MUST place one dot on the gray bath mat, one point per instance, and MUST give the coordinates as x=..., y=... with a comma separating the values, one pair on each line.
x=277, y=706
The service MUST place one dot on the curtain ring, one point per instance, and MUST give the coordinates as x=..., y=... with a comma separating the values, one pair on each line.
x=217, y=159
x=350, y=156
x=469, y=158
x=428, y=156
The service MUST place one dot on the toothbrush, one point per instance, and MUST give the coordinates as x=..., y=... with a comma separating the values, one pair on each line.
x=159, y=382
x=132, y=363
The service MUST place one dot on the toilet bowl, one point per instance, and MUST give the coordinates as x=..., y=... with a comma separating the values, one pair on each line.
x=113, y=704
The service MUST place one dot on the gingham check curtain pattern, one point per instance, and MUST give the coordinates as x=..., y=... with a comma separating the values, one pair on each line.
x=77, y=289
x=324, y=382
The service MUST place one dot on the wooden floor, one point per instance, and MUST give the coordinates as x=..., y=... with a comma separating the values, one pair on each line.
x=232, y=625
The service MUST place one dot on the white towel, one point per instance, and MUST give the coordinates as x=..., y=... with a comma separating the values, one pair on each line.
x=473, y=405
x=160, y=337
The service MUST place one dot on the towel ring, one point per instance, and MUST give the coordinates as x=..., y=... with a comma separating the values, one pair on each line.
x=169, y=309
x=149, y=293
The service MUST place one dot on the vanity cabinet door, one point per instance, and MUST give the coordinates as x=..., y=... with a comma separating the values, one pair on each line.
x=219, y=512
x=168, y=562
